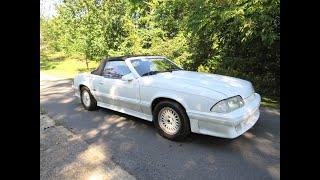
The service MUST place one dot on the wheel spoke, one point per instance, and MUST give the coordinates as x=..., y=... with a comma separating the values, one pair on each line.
x=86, y=98
x=169, y=120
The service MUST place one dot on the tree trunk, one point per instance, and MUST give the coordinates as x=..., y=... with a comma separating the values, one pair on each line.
x=87, y=64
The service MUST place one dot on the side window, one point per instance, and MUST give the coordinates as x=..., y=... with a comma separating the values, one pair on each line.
x=141, y=66
x=115, y=69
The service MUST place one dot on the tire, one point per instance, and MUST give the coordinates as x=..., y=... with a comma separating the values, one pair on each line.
x=92, y=103
x=170, y=110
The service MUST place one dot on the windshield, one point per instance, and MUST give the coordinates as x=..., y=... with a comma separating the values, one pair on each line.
x=150, y=66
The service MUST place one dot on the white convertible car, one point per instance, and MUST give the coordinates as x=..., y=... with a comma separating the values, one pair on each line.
x=179, y=102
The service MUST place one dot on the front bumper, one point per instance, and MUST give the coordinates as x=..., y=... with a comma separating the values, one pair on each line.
x=229, y=125
x=76, y=91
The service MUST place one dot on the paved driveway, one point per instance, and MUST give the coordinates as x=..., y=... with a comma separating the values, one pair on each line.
x=135, y=146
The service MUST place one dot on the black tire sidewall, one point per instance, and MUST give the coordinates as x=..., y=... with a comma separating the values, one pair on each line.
x=184, y=120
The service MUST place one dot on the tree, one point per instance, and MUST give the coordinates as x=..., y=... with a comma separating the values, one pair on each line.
x=233, y=37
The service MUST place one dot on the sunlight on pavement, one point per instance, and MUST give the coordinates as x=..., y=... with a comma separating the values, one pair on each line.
x=95, y=177
x=93, y=155
x=92, y=133
x=94, y=164
x=248, y=135
x=68, y=100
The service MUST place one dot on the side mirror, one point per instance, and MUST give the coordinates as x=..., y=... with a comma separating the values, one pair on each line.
x=128, y=77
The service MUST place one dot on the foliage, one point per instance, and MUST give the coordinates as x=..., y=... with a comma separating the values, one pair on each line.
x=239, y=38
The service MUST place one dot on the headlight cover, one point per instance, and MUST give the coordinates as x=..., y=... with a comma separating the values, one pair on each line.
x=228, y=105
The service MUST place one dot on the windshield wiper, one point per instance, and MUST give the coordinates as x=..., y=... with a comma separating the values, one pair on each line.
x=154, y=72
x=150, y=73
x=176, y=69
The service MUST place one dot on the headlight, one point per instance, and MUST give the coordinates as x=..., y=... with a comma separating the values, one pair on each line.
x=228, y=105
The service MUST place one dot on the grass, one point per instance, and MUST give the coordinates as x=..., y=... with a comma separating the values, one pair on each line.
x=57, y=64
x=270, y=102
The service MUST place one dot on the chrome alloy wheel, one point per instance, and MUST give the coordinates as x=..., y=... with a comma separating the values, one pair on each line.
x=86, y=98
x=169, y=120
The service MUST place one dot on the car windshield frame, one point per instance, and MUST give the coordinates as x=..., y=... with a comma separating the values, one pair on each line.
x=150, y=58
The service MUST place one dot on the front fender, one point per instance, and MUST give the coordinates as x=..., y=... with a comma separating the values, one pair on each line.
x=82, y=80
x=188, y=100
x=191, y=102
x=172, y=96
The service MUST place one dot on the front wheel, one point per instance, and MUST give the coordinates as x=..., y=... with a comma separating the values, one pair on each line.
x=87, y=99
x=171, y=120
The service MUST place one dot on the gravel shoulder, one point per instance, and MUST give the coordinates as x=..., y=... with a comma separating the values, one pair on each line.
x=64, y=155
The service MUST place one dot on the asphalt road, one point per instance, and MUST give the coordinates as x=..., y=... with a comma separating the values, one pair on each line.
x=134, y=145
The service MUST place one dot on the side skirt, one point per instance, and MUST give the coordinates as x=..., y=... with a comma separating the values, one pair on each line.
x=125, y=111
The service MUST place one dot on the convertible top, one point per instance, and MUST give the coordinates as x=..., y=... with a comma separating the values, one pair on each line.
x=99, y=69
x=118, y=58
x=122, y=58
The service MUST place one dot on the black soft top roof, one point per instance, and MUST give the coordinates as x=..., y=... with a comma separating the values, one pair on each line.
x=122, y=58
x=99, y=69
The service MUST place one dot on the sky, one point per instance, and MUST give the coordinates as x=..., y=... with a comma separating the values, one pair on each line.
x=47, y=7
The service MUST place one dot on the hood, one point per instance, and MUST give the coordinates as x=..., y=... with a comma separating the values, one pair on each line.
x=226, y=85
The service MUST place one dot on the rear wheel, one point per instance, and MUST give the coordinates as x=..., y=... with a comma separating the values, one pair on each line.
x=87, y=99
x=171, y=120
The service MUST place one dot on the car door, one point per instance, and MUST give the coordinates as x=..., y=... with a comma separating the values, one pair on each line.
x=113, y=90
x=98, y=90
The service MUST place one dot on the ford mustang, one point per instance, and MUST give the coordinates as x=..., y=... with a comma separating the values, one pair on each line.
x=177, y=101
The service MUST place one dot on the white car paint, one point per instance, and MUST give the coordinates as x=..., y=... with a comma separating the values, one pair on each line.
x=196, y=92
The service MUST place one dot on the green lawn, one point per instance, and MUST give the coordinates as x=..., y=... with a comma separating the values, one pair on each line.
x=270, y=102
x=57, y=64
